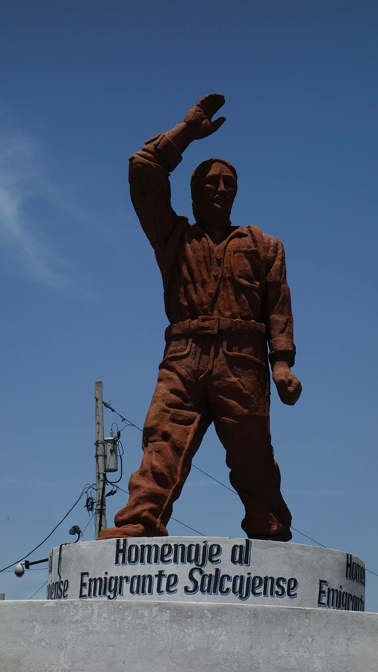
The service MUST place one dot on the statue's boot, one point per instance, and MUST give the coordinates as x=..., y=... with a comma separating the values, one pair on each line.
x=133, y=530
x=123, y=531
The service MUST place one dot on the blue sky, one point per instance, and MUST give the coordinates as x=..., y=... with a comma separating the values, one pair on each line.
x=83, y=85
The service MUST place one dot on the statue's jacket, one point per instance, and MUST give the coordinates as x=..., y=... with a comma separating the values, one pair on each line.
x=237, y=288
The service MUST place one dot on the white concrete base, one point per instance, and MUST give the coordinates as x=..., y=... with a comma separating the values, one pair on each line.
x=96, y=636
x=212, y=569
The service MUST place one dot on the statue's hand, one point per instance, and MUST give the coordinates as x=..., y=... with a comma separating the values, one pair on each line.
x=198, y=118
x=288, y=386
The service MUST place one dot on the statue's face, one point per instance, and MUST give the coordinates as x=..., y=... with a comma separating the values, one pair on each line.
x=216, y=193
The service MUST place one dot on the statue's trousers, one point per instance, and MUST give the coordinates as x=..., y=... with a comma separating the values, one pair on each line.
x=204, y=379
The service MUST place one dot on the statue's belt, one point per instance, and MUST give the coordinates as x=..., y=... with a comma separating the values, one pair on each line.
x=207, y=325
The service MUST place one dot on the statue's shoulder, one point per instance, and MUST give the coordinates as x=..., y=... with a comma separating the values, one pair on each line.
x=271, y=241
x=265, y=240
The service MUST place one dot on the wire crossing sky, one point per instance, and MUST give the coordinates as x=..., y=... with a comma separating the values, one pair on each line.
x=83, y=86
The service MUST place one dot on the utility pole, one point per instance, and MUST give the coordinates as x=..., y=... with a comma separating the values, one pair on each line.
x=100, y=461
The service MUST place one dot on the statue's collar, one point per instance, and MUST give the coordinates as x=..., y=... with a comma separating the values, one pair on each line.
x=235, y=231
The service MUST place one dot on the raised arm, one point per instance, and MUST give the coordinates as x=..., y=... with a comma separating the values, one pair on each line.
x=150, y=167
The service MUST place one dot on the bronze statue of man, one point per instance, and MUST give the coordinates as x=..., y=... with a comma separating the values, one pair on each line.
x=226, y=299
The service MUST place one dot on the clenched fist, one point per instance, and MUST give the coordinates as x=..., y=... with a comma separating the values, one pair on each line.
x=288, y=386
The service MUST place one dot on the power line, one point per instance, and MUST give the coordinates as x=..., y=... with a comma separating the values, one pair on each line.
x=128, y=422
x=89, y=522
x=37, y=591
x=86, y=487
x=43, y=569
x=131, y=424
x=172, y=518
x=188, y=526
x=307, y=537
x=215, y=479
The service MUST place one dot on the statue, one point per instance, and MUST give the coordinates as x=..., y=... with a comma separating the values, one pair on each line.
x=226, y=299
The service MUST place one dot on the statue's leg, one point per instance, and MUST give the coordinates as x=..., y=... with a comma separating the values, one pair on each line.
x=175, y=424
x=240, y=403
x=255, y=476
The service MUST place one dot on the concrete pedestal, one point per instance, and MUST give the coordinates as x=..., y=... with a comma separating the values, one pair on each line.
x=209, y=569
x=97, y=636
x=196, y=605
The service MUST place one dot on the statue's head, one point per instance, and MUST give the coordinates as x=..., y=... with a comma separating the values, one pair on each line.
x=214, y=185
